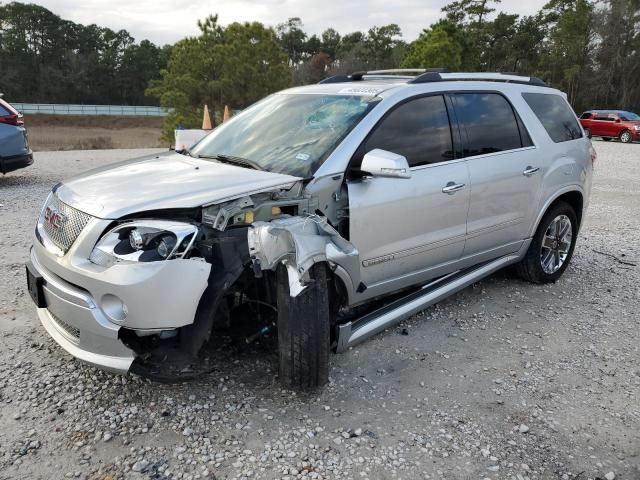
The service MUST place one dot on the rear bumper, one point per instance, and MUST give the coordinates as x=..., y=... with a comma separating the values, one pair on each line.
x=9, y=164
x=74, y=321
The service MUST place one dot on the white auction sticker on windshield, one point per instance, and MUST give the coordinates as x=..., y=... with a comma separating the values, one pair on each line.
x=360, y=91
x=303, y=156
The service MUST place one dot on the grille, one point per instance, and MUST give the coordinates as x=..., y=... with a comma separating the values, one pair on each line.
x=70, y=331
x=70, y=223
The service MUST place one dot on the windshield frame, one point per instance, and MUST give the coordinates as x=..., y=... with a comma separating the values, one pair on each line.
x=199, y=149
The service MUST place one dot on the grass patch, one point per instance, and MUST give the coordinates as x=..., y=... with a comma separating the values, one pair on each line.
x=72, y=132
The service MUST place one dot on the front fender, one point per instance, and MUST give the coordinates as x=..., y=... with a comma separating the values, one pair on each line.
x=299, y=243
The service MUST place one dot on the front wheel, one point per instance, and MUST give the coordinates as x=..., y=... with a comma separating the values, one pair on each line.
x=552, y=246
x=626, y=137
x=304, y=330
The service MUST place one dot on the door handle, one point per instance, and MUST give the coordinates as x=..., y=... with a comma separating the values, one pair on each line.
x=530, y=171
x=452, y=187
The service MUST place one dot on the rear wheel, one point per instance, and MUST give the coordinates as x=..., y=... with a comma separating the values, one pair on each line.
x=606, y=139
x=552, y=246
x=304, y=330
x=626, y=137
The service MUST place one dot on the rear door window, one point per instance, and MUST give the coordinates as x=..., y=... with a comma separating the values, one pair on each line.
x=418, y=129
x=489, y=122
x=556, y=116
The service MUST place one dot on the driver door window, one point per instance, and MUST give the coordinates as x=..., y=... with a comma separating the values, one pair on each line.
x=419, y=130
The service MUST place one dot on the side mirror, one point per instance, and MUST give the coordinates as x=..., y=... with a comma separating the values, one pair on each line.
x=617, y=120
x=380, y=163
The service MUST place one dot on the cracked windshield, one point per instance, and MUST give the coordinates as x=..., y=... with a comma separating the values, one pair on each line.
x=288, y=133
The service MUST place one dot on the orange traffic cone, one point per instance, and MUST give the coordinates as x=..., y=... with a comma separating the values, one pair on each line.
x=206, y=119
x=227, y=114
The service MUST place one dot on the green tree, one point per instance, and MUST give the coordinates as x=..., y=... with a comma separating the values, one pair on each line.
x=380, y=44
x=330, y=41
x=234, y=65
x=469, y=12
x=434, y=49
x=292, y=39
x=44, y=58
x=570, y=45
x=617, y=69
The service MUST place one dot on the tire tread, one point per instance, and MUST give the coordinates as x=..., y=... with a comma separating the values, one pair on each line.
x=304, y=331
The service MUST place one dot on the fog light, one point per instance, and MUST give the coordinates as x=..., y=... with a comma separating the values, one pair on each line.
x=115, y=308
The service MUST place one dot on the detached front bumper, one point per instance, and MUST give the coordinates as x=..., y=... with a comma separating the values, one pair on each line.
x=73, y=319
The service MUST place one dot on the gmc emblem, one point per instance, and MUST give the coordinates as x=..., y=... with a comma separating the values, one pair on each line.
x=54, y=217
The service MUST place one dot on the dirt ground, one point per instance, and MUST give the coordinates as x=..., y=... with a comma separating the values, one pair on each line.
x=87, y=132
x=505, y=380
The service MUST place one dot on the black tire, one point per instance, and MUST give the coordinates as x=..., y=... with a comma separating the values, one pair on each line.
x=587, y=132
x=530, y=268
x=626, y=136
x=606, y=139
x=304, y=331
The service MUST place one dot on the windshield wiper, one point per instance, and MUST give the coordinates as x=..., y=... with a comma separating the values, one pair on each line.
x=243, y=162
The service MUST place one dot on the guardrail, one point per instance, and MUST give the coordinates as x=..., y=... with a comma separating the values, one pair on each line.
x=70, y=109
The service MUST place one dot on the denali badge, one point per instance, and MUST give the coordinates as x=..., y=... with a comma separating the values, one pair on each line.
x=54, y=217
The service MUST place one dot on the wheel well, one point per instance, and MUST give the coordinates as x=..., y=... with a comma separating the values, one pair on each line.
x=574, y=199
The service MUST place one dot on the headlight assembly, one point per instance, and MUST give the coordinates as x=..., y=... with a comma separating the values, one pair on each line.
x=144, y=241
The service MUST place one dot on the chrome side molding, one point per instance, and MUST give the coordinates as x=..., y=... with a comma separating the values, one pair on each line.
x=357, y=331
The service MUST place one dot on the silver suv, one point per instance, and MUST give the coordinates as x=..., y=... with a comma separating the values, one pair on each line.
x=326, y=213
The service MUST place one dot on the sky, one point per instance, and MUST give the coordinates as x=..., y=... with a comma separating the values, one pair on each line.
x=166, y=21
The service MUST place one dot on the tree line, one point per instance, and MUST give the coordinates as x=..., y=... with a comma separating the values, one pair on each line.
x=587, y=48
x=46, y=59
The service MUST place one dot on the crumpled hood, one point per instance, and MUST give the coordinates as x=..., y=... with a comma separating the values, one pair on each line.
x=161, y=182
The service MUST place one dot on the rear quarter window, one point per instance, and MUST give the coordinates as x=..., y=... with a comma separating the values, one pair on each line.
x=555, y=114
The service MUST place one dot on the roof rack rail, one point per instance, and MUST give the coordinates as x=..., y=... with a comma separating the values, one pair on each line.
x=395, y=70
x=427, y=75
x=480, y=76
x=376, y=75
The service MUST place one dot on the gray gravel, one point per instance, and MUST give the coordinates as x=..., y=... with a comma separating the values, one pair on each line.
x=503, y=380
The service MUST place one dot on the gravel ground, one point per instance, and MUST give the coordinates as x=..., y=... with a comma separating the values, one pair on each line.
x=503, y=380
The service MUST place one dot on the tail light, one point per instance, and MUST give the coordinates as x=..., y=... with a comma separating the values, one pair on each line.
x=12, y=119
x=9, y=115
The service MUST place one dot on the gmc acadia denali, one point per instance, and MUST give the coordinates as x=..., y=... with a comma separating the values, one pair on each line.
x=326, y=213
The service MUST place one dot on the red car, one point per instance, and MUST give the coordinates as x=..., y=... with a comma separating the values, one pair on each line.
x=610, y=124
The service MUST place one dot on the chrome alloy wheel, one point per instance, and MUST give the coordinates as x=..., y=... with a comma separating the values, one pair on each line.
x=556, y=244
x=625, y=137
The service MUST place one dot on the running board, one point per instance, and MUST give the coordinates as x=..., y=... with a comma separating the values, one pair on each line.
x=359, y=330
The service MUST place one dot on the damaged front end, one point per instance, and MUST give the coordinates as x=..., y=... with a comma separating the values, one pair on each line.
x=155, y=291
x=244, y=241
